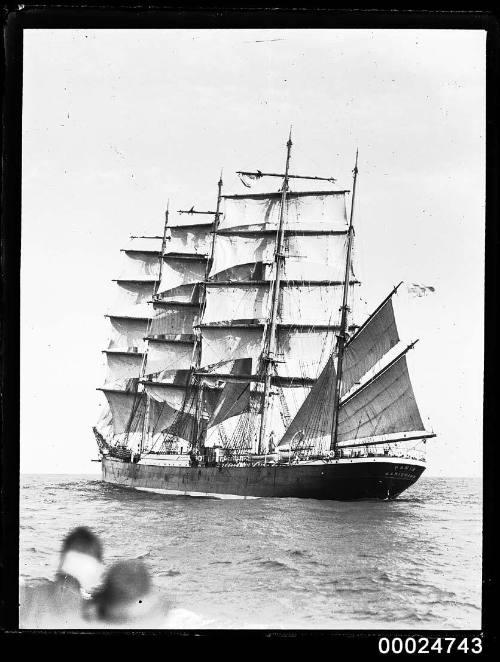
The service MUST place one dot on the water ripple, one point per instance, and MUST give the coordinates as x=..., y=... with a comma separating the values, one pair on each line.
x=415, y=561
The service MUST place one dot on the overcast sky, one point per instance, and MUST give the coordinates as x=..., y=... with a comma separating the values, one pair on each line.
x=115, y=122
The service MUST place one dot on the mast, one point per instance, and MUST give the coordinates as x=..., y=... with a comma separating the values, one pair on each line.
x=269, y=351
x=163, y=246
x=199, y=394
x=341, y=338
x=145, y=428
x=216, y=226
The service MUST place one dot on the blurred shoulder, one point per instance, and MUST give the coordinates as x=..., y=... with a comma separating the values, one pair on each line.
x=31, y=594
x=48, y=604
x=34, y=603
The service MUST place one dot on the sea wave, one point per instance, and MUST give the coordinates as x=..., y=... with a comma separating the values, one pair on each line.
x=412, y=562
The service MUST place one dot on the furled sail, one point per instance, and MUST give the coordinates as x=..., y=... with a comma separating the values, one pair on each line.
x=384, y=405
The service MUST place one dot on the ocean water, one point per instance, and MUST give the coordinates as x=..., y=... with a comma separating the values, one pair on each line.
x=279, y=563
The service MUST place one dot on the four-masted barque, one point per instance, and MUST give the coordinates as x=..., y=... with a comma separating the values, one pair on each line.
x=235, y=369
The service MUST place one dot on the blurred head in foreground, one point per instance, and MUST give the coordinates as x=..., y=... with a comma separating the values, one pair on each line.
x=127, y=596
x=81, y=558
x=63, y=602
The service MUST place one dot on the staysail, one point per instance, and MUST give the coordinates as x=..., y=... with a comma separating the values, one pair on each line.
x=372, y=341
x=384, y=405
x=312, y=424
x=381, y=404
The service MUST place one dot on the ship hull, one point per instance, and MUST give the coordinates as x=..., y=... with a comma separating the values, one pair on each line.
x=345, y=480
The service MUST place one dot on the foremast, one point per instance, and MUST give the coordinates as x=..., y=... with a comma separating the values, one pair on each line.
x=268, y=357
x=121, y=425
x=162, y=404
x=342, y=336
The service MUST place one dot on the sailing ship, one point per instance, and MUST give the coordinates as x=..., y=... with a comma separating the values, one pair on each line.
x=235, y=368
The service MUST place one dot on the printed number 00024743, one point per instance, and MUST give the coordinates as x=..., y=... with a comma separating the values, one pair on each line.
x=422, y=645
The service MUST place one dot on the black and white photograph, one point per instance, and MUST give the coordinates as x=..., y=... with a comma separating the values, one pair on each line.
x=252, y=329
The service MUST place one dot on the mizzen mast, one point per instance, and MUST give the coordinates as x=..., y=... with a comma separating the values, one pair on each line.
x=342, y=338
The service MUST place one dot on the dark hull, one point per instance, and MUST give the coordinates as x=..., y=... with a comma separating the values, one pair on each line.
x=367, y=479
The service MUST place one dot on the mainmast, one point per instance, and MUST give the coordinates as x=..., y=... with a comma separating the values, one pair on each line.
x=341, y=338
x=199, y=395
x=216, y=226
x=269, y=351
x=145, y=428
